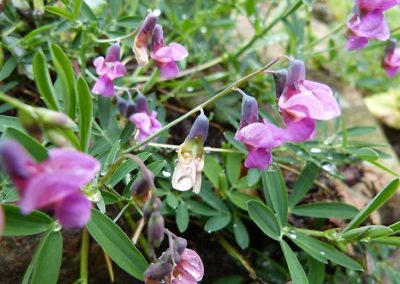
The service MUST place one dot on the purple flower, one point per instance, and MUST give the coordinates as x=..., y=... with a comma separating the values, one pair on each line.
x=108, y=69
x=54, y=184
x=165, y=56
x=258, y=137
x=391, y=60
x=142, y=39
x=189, y=270
x=306, y=99
x=145, y=121
x=368, y=22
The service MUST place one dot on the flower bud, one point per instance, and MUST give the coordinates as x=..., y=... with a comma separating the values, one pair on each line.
x=296, y=73
x=31, y=125
x=113, y=53
x=54, y=118
x=15, y=161
x=199, y=128
x=141, y=188
x=280, y=77
x=155, y=229
x=158, y=270
x=122, y=106
x=158, y=38
x=142, y=38
x=167, y=256
x=141, y=103
x=180, y=244
x=131, y=109
x=57, y=138
x=249, y=113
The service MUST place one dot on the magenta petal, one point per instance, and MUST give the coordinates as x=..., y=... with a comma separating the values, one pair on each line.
x=163, y=55
x=117, y=71
x=179, y=52
x=73, y=211
x=296, y=73
x=142, y=121
x=192, y=264
x=300, y=131
x=169, y=70
x=48, y=189
x=113, y=53
x=83, y=166
x=256, y=135
x=392, y=71
x=372, y=25
x=370, y=5
x=101, y=67
x=258, y=159
x=104, y=87
x=356, y=42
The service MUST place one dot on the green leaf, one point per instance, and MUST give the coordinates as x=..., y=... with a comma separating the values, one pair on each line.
x=104, y=111
x=117, y=244
x=240, y=199
x=217, y=223
x=296, y=270
x=172, y=200
x=182, y=218
x=85, y=113
x=65, y=73
x=213, y=200
x=253, y=176
x=77, y=8
x=316, y=272
x=264, y=219
x=239, y=146
x=326, y=210
x=212, y=170
x=31, y=145
x=8, y=68
x=48, y=259
x=201, y=208
x=327, y=251
x=233, y=167
x=43, y=81
x=304, y=183
x=59, y=12
x=389, y=241
x=116, y=8
x=9, y=121
x=18, y=224
x=367, y=154
x=381, y=198
x=371, y=231
x=241, y=233
x=275, y=191
x=359, y=131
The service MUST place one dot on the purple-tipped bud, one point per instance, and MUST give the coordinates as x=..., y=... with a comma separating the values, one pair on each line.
x=249, y=111
x=54, y=118
x=113, y=53
x=142, y=38
x=122, y=106
x=296, y=73
x=167, y=256
x=280, y=77
x=152, y=205
x=158, y=38
x=155, y=229
x=391, y=46
x=180, y=244
x=158, y=270
x=200, y=127
x=141, y=103
x=15, y=161
x=131, y=109
x=141, y=188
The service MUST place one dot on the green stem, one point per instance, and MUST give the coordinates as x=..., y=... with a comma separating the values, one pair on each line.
x=84, y=257
x=206, y=149
x=311, y=232
x=15, y=103
x=328, y=35
x=116, y=39
x=110, y=172
x=221, y=94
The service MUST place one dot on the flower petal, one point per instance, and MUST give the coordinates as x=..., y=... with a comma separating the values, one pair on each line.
x=113, y=53
x=300, y=131
x=179, y=52
x=258, y=159
x=369, y=5
x=104, y=87
x=356, y=42
x=169, y=70
x=142, y=121
x=260, y=135
x=73, y=211
x=372, y=25
x=192, y=264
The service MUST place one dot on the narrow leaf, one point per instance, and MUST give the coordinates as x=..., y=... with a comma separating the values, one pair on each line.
x=296, y=270
x=217, y=223
x=264, y=219
x=85, y=113
x=303, y=183
x=182, y=218
x=326, y=210
x=241, y=233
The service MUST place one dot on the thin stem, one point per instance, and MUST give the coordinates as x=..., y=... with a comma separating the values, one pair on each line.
x=221, y=94
x=121, y=212
x=207, y=149
x=325, y=37
x=84, y=257
x=116, y=39
x=15, y=103
x=310, y=232
x=109, y=266
x=138, y=231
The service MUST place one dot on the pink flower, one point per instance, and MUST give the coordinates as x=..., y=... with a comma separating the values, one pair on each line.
x=146, y=122
x=108, y=69
x=165, y=56
x=258, y=137
x=189, y=270
x=391, y=60
x=142, y=38
x=369, y=23
x=306, y=99
x=54, y=184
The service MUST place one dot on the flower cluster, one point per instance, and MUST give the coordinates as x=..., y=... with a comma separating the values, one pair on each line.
x=177, y=265
x=54, y=184
x=164, y=56
x=368, y=22
x=301, y=103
